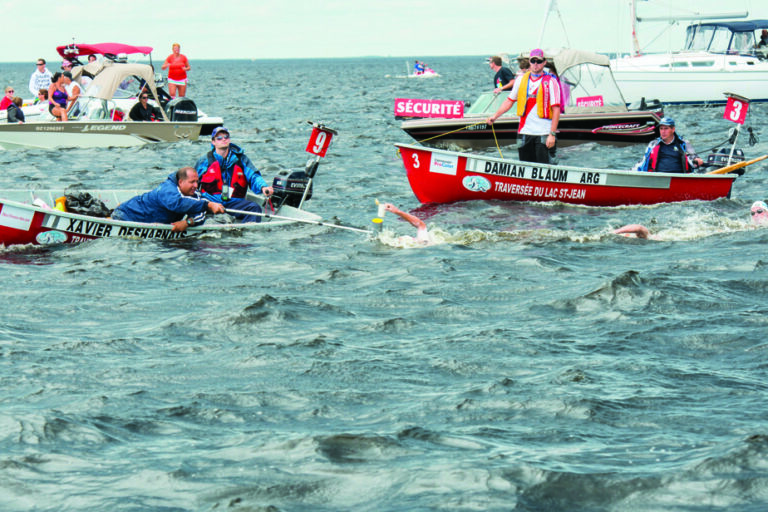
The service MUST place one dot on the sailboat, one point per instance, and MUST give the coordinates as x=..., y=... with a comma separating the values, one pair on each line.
x=721, y=54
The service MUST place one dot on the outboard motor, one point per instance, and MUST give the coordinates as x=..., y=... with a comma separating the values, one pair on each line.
x=719, y=159
x=289, y=187
x=181, y=109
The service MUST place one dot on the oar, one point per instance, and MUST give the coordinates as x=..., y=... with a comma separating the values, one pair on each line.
x=307, y=221
x=733, y=167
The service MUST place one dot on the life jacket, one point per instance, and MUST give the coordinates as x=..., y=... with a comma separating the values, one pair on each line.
x=543, y=106
x=211, y=181
x=653, y=158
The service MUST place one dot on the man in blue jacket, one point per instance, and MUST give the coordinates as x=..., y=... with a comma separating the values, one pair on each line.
x=226, y=174
x=176, y=201
x=669, y=153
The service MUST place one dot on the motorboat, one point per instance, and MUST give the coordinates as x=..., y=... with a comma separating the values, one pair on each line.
x=441, y=176
x=95, y=120
x=595, y=111
x=718, y=56
x=124, y=98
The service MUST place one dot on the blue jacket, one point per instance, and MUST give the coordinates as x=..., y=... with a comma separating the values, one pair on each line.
x=648, y=163
x=238, y=171
x=165, y=204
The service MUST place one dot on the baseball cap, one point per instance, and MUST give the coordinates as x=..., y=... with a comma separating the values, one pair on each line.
x=667, y=121
x=538, y=52
x=218, y=130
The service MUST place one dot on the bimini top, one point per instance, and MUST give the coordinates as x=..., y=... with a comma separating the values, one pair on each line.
x=106, y=49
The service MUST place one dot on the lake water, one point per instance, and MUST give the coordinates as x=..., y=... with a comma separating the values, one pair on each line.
x=530, y=361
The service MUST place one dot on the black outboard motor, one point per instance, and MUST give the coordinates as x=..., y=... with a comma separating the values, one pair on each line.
x=719, y=159
x=289, y=187
x=181, y=109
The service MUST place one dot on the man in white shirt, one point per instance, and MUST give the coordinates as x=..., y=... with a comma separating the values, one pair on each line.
x=538, y=104
x=40, y=79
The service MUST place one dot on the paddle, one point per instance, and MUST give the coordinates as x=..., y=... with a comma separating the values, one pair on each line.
x=733, y=167
x=318, y=223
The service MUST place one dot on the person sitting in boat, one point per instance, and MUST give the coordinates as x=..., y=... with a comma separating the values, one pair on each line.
x=504, y=78
x=145, y=111
x=73, y=90
x=15, y=114
x=57, y=98
x=176, y=201
x=226, y=173
x=758, y=211
x=538, y=104
x=763, y=43
x=418, y=67
x=7, y=99
x=422, y=234
x=669, y=152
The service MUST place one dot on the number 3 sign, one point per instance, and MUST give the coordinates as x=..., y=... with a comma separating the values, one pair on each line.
x=736, y=110
x=319, y=140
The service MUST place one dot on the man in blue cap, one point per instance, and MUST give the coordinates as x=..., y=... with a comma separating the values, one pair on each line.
x=669, y=153
x=226, y=174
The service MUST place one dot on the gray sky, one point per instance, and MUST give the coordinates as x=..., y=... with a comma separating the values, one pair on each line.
x=259, y=29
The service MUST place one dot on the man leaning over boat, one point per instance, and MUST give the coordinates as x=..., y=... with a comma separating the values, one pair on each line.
x=669, y=152
x=176, y=201
x=538, y=104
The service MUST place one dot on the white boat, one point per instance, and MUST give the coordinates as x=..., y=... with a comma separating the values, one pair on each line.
x=718, y=56
x=93, y=120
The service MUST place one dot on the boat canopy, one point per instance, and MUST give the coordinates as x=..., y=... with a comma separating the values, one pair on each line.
x=110, y=50
x=120, y=80
x=724, y=36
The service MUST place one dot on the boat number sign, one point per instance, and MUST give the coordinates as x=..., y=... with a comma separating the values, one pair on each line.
x=319, y=141
x=736, y=110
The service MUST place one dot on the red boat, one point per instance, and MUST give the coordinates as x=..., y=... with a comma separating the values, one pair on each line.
x=439, y=176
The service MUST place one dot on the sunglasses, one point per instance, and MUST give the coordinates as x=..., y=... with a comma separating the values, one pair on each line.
x=758, y=212
x=145, y=97
x=535, y=60
x=222, y=137
x=9, y=91
x=41, y=63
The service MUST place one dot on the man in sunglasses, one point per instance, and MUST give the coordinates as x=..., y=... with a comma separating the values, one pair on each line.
x=758, y=211
x=538, y=104
x=143, y=110
x=226, y=174
x=40, y=79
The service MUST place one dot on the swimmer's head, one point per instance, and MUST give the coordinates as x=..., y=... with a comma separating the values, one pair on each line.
x=759, y=212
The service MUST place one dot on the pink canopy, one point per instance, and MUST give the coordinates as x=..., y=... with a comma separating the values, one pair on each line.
x=75, y=49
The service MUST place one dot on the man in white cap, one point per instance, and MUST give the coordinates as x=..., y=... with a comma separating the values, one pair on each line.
x=538, y=104
x=669, y=153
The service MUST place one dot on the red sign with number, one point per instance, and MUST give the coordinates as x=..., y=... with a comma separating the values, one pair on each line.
x=319, y=141
x=736, y=110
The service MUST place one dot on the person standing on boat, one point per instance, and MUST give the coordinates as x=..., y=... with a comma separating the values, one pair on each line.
x=177, y=65
x=669, y=152
x=504, y=78
x=226, y=174
x=40, y=79
x=176, y=201
x=538, y=104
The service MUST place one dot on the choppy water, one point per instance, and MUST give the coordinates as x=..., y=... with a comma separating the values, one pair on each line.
x=532, y=361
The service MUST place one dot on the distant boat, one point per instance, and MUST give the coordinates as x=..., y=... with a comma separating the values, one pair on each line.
x=420, y=70
x=717, y=57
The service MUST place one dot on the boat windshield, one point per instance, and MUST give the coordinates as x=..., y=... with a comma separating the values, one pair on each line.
x=719, y=39
x=94, y=109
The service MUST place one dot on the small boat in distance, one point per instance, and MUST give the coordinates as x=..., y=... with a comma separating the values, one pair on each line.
x=439, y=176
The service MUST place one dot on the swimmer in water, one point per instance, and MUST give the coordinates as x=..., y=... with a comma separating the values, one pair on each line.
x=758, y=210
x=422, y=234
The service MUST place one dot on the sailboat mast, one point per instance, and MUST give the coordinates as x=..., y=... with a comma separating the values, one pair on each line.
x=633, y=13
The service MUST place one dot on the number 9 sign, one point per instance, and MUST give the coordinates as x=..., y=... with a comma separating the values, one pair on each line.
x=736, y=110
x=319, y=141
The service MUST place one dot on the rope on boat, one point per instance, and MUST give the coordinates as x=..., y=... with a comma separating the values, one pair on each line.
x=493, y=130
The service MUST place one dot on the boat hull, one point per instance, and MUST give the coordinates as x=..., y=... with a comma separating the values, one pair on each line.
x=22, y=222
x=471, y=132
x=438, y=176
x=94, y=134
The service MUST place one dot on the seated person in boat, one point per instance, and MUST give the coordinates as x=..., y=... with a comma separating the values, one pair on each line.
x=176, y=201
x=226, y=174
x=15, y=114
x=669, y=153
x=72, y=88
x=538, y=104
x=145, y=111
x=763, y=43
x=758, y=211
